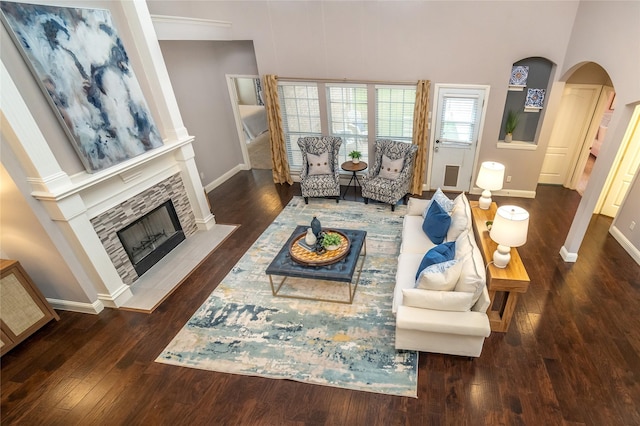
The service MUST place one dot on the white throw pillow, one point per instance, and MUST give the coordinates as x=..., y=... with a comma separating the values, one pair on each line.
x=390, y=169
x=438, y=300
x=319, y=164
x=459, y=218
x=441, y=276
x=472, y=278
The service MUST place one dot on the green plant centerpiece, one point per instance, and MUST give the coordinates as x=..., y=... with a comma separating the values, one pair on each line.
x=510, y=125
x=355, y=156
x=331, y=240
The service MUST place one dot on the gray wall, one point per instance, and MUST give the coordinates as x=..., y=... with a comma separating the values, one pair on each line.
x=462, y=42
x=443, y=41
x=618, y=52
x=197, y=71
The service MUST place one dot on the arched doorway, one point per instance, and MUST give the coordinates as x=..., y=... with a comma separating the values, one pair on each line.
x=577, y=133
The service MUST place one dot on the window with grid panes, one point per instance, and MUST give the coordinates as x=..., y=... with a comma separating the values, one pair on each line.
x=300, y=110
x=347, y=115
x=348, y=106
x=394, y=112
x=459, y=118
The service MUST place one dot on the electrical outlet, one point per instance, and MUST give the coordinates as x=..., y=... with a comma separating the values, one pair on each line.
x=508, y=179
x=632, y=225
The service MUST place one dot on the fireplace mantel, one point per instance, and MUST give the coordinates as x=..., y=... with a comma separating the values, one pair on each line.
x=127, y=171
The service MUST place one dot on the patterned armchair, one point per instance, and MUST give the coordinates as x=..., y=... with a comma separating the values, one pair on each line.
x=320, y=174
x=391, y=183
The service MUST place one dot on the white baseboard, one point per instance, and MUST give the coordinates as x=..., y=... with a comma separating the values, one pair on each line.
x=625, y=243
x=222, y=179
x=568, y=257
x=84, y=308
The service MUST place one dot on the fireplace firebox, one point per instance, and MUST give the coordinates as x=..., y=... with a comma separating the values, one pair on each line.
x=151, y=237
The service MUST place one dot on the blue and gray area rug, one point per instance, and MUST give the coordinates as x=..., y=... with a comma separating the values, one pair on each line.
x=243, y=329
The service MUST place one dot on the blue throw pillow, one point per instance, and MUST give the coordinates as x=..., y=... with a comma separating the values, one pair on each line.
x=436, y=223
x=439, y=253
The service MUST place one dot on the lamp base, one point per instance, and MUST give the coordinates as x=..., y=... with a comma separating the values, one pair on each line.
x=502, y=256
x=484, y=202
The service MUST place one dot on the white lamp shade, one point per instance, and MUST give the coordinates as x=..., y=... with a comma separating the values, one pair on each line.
x=510, y=226
x=490, y=176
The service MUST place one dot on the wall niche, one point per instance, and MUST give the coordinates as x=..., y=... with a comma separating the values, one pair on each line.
x=538, y=73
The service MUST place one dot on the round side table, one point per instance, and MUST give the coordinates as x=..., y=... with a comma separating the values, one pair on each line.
x=349, y=166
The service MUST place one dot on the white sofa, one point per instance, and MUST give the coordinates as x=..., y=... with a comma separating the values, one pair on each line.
x=448, y=322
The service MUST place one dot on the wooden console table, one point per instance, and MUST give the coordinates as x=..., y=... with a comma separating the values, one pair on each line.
x=503, y=284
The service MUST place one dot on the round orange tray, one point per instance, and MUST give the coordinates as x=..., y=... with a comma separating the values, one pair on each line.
x=307, y=257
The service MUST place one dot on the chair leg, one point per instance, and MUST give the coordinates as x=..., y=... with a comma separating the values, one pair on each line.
x=393, y=207
x=366, y=201
x=337, y=199
x=306, y=200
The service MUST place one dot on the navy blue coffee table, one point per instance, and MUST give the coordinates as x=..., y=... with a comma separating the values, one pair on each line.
x=341, y=271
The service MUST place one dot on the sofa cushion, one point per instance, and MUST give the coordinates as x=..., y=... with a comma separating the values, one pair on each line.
x=390, y=169
x=414, y=240
x=458, y=301
x=436, y=223
x=440, y=253
x=441, y=276
x=417, y=206
x=460, y=219
x=442, y=322
x=319, y=164
x=405, y=276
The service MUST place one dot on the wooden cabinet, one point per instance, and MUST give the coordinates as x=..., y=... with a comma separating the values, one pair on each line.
x=23, y=308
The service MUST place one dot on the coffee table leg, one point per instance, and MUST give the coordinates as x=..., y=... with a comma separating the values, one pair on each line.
x=275, y=291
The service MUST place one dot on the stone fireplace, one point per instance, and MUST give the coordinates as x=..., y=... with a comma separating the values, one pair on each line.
x=77, y=214
x=110, y=226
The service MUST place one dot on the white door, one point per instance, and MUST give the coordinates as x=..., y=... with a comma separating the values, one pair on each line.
x=569, y=132
x=627, y=168
x=458, y=118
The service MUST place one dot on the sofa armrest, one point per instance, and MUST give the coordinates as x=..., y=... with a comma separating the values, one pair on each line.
x=463, y=323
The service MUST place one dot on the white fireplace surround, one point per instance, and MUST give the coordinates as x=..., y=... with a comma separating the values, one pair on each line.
x=72, y=201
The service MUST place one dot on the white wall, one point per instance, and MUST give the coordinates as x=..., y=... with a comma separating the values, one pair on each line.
x=25, y=238
x=197, y=70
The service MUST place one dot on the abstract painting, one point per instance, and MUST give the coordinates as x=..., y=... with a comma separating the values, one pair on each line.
x=81, y=64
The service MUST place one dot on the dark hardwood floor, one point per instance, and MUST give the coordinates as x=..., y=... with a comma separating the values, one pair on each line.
x=571, y=355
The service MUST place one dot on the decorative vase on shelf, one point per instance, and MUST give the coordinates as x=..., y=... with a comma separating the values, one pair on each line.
x=316, y=227
x=355, y=160
x=508, y=137
x=310, y=238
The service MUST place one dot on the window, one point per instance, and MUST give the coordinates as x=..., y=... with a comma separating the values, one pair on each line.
x=459, y=117
x=300, y=110
x=348, y=118
x=348, y=108
x=394, y=112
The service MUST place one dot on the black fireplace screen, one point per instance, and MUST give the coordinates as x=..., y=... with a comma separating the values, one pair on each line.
x=150, y=238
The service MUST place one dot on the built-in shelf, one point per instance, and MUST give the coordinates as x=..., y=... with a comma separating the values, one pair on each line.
x=517, y=145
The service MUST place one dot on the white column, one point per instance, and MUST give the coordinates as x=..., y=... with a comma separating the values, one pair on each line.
x=601, y=169
x=71, y=216
x=185, y=158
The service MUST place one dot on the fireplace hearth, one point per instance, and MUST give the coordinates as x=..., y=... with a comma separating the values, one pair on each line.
x=151, y=237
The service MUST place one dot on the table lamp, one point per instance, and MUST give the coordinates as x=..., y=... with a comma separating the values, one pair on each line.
x=490, y=178
x=509, y=229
